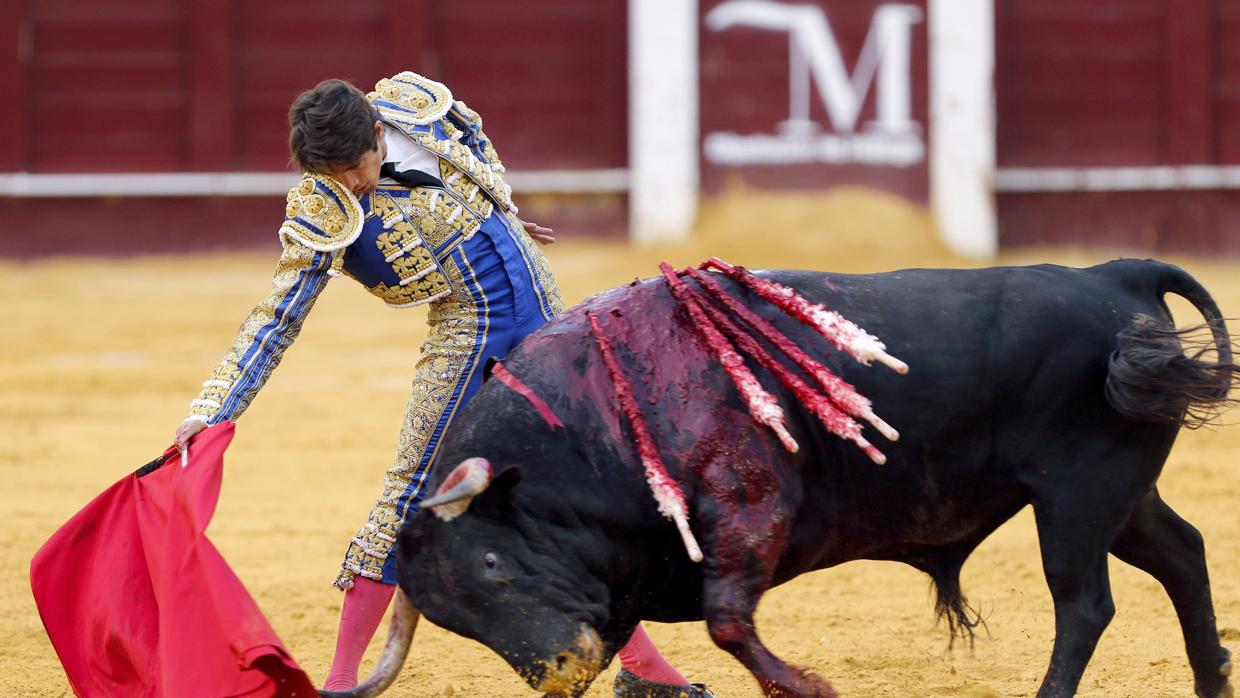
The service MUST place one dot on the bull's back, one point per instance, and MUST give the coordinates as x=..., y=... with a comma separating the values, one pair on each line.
x=1007, y=369
x=978, y=342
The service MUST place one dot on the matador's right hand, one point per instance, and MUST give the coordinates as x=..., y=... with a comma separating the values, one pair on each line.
x=187, y=430
x=544, y=235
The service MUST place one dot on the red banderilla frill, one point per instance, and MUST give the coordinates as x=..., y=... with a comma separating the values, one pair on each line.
x=834, y=419
x=846, y=336
x=835, y=408
x=840, y=391
x=762, y=405
x=666, y=492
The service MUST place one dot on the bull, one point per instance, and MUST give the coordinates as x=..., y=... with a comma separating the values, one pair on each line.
x=1061, y=389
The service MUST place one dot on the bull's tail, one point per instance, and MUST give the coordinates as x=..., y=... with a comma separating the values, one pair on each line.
x=1160, y=374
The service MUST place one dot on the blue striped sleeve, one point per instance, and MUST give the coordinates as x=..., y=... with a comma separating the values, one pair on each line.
x=267, y=332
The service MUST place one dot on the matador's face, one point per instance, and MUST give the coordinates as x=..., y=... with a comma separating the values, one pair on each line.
x=363, y=177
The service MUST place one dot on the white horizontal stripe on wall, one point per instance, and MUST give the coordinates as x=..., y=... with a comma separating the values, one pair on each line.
x=1100, y=179
x=23, y=184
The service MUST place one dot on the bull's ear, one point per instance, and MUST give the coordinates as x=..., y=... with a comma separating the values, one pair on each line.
x=495, y=502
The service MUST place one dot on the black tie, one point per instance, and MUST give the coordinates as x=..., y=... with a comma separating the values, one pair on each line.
x=409, y=178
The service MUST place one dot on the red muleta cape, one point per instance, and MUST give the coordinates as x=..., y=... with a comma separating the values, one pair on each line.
x=137, y=601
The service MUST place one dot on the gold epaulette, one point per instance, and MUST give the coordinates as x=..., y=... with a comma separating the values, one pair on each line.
x=321, y=214
x=470, y=116
x=488, y=150
x=410, y=98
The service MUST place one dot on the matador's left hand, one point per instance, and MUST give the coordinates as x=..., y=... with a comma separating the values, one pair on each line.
x=542, y=235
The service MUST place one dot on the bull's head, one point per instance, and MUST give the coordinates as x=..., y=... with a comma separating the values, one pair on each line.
x=479, y=566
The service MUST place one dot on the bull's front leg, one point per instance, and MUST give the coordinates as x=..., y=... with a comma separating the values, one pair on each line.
x=730, y=601
x=744, y=518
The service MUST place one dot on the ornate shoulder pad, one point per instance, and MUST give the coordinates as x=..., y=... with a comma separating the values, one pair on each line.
x=410, y=98
x=321, y=214
x=488, y=149
x=468, y=114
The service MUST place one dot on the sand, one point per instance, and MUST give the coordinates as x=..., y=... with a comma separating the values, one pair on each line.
x=101, y=357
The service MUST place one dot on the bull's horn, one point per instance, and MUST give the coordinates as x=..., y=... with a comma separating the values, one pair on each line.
x=465, y=482
x=400, y=636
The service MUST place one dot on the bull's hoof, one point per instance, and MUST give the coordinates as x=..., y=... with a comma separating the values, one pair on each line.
x=630, y=685
x=1224, y=670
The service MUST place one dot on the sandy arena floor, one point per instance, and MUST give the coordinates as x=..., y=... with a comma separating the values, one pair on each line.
x=101, y=357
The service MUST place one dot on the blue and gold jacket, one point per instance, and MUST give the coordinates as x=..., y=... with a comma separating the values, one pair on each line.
x=390, y=240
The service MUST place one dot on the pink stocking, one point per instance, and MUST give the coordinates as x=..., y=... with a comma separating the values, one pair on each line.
x=641, y=657
x=360, y=616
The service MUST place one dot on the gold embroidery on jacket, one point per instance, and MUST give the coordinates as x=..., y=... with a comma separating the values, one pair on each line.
x=411, y=98
x=468, y=165
x=488, y=150
x=315, y=219
x=417, y=222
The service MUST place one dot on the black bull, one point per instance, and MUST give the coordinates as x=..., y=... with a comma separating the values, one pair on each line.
x=1046, y=386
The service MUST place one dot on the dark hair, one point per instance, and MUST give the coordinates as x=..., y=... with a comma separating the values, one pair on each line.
x=333, y=124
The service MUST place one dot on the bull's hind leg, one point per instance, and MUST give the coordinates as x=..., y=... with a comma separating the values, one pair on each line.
x=1170, y=549
x=1075, y=534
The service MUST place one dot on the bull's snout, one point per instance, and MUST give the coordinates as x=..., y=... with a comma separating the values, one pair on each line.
x=572, y=669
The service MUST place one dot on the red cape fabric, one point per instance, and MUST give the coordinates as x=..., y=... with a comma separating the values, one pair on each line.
x=137, y=601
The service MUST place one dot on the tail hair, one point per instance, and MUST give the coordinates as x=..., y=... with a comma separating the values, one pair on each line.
x=951, y=606
x=1160, y=374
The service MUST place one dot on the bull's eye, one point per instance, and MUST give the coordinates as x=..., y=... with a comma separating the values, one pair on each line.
x=490, y=560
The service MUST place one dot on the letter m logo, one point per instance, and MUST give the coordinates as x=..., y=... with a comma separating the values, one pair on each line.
x=814, y=56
